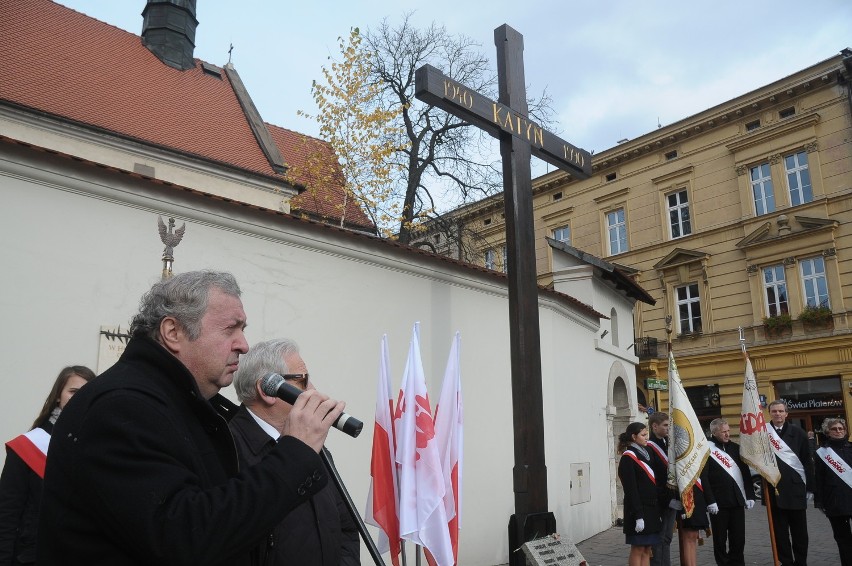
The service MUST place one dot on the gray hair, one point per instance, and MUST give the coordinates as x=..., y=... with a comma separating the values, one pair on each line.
x=828, y=423
x=716, y=425
x=183, y=297
x=261, y=359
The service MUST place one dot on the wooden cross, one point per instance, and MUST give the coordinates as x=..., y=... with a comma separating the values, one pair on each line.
x=520, y=137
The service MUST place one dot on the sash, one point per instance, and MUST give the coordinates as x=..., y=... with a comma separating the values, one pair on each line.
x=727, y=462
x=659, y=450
x=698, y=484
x=784, y=452
x=643, y=465
x=32, y=448
x=836, y=464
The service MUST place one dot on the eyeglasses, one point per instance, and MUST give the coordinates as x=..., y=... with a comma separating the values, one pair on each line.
x=300, y=380
x=840, y=428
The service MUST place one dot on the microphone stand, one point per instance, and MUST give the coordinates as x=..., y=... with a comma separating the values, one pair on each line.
x=353, y=512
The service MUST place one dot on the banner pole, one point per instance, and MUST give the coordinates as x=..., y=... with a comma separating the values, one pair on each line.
x=768, y=502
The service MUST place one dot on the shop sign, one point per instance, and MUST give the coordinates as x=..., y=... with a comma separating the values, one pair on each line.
x=657, y=384
x=811, y=404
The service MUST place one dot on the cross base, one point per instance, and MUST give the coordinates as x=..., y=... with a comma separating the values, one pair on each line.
x=524, y=528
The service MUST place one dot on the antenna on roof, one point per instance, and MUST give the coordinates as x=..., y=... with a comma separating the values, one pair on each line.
x=229, y=52
x=658, y=122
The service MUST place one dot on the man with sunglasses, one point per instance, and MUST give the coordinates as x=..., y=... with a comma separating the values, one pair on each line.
x=320, y=532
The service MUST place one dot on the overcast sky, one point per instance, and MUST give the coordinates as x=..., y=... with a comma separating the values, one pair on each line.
x=614, y=68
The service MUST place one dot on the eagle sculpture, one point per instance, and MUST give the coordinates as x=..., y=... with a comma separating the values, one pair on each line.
x=171, y=237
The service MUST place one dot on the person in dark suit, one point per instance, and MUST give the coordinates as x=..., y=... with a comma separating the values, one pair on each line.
x=789, y=505
x=833, y=484
x=637, y=472
x=320, y=531
x=143, y=469
x=729, y=480
x=658, y=441
x=21, y=481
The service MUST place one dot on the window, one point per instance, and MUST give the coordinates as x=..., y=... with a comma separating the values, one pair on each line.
x=562, y=234
x=798, y=178
x=776, y=290
x=557, y=196
x=489, y=259
x=504, y=266
x=610, y=177
x=679, y=221
x=671, y=155
x=616, y=231
x=761, y=189
x=814, y=282
x=751, y=126
x=689, y=308
x=786, y=113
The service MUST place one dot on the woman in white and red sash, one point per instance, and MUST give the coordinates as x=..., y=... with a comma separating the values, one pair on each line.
x=833, y=485
x=21, y=480
x=642, y=522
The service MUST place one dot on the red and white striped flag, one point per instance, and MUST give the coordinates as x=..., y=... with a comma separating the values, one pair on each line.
x=382, y=502
x=422, y=517
x=449, y=420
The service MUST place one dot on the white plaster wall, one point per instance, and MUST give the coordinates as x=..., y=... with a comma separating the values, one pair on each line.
x=80, y=246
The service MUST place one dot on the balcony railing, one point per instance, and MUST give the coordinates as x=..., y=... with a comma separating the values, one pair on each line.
x=646, y=348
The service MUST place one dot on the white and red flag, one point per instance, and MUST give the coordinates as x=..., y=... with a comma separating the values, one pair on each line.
x=382, y=501
x=449, y=421
x=754, y=438
x=422, y=515
x=688, y=447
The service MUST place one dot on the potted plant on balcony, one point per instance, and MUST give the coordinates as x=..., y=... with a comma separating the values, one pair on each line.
x=816, y=318
x=778, y=325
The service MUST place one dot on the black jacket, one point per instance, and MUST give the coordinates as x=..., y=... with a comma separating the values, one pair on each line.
x=143, y=470
x=641, y=496
x=832, y=494
x=792, y=491
x=725, y=489
x=319, y=532
x=20, y=497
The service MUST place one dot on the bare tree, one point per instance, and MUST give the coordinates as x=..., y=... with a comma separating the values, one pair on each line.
x=438, y=157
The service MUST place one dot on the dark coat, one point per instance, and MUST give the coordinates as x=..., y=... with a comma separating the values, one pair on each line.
x=143, y=470
x=20, y=497
x=702, y=497
x=832, y=494
x=725, y=489
x=792, y=491
x=319, y=532
x=641, y=495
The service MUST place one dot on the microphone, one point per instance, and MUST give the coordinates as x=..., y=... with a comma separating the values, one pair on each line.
x=274, y=385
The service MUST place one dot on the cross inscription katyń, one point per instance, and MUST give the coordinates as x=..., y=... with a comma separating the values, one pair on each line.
x=520, y=137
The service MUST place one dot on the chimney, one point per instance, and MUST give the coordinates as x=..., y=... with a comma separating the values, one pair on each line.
x=168, y=31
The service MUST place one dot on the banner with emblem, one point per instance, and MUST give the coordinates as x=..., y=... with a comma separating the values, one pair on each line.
x=688, y=447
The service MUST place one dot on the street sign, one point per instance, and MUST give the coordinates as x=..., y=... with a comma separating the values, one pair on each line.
x=657, y=384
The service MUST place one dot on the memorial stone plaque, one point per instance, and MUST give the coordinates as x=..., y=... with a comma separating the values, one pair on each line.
x=553, y=550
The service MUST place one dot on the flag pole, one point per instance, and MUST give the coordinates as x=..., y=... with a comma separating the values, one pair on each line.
x=680, y=540
x=766, y=484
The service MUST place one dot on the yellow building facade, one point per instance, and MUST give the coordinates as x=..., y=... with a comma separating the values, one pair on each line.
x=739, y=217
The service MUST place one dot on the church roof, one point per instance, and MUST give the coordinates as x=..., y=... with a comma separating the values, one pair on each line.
x=66, y=65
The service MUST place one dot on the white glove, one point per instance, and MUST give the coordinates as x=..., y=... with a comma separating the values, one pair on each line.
x=713, y=508
x=809, y=496
x=749, y=503
x=640, y=525
x=676, y=505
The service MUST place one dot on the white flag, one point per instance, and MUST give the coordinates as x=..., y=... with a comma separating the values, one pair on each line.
x=754, y=440
x=422, y=517
x=688, y=447
x=449, y=420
